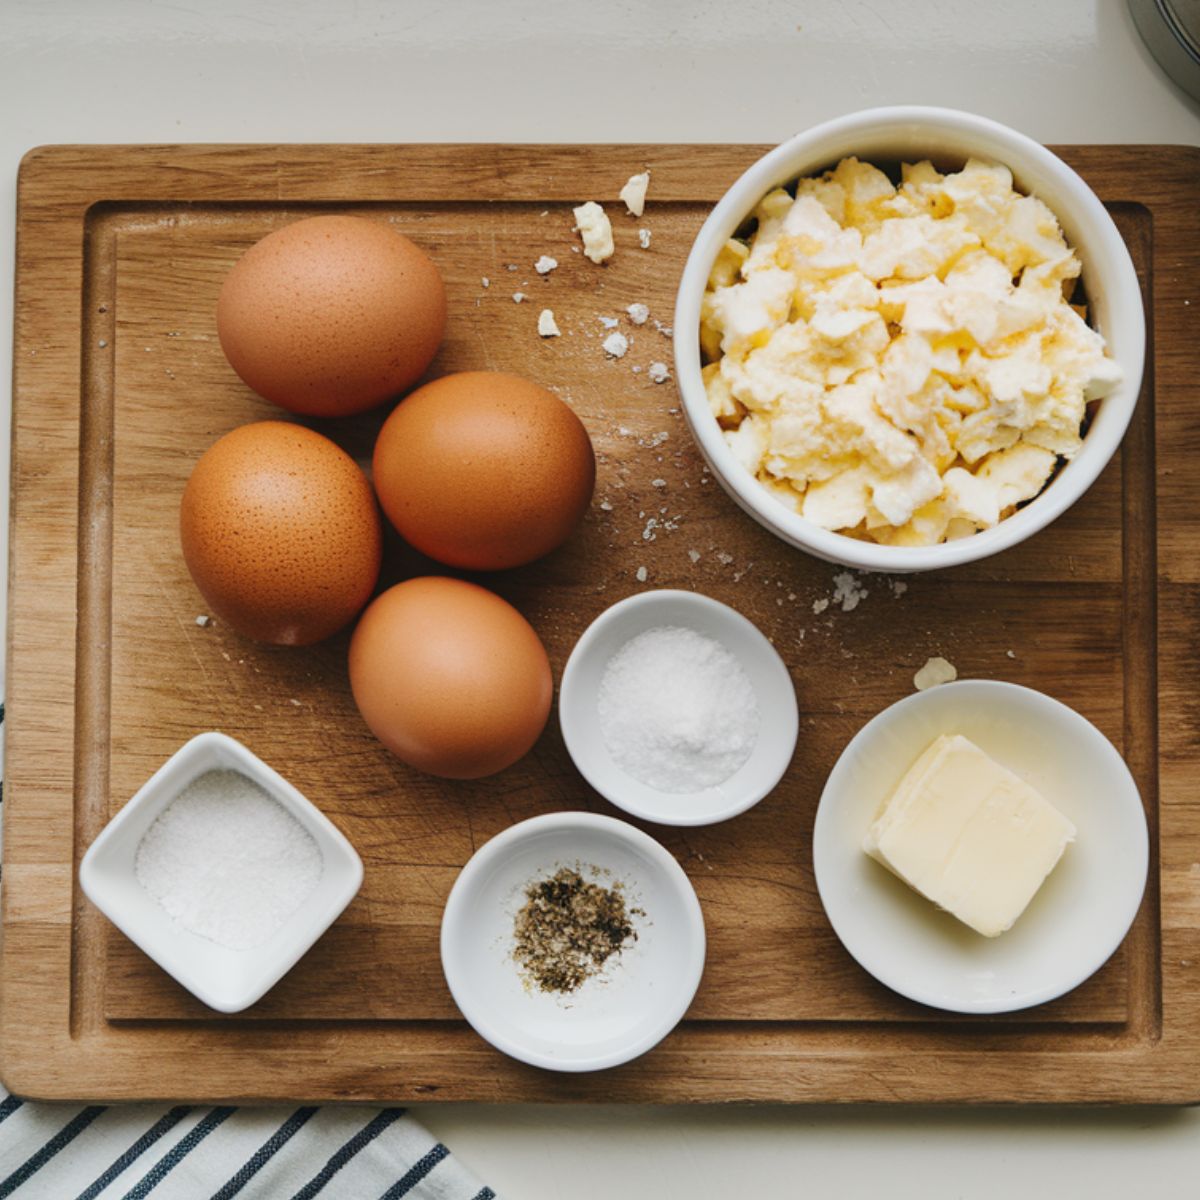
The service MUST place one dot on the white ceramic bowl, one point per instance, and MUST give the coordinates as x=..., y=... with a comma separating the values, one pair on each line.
x=640, y=995
x=949, y=138
x=580, y=718
x=227, y=980
x=1074, y=922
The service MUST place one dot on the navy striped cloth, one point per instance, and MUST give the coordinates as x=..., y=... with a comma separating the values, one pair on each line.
x=127, y=1152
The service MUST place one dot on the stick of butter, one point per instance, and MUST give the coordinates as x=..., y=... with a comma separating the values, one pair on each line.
x=969, y=835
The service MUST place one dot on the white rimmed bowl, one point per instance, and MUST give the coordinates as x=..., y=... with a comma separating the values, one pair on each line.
x=632, y=1004
x=580, y=718
x=227, y=980
x=948, y=137
x=1076, y=920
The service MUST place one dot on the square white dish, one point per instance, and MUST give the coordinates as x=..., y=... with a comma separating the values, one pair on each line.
x=225, y=979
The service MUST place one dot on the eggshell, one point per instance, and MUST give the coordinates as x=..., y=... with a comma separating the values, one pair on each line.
x=452, y=679
x=280, y=532
x=484, y=470
x=331, y=315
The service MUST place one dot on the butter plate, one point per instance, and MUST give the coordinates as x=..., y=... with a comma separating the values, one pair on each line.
x=1078, y=917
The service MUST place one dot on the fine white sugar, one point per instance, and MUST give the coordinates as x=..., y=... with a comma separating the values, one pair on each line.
x=677, y=711
x=228, y=861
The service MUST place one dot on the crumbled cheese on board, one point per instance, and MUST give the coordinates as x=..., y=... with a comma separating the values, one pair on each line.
x=634, y=193
x=596, y=231
x=936, y=671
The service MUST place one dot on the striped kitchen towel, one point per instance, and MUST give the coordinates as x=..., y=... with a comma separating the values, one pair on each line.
x=127, y=1152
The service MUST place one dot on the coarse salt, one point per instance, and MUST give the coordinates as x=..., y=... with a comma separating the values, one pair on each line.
x=677, y=710
x=227, y=861
x=545, y=264
x=638, y=313
x=547, y=326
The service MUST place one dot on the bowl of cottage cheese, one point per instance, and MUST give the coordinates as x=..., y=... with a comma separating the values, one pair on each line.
x=908, y=338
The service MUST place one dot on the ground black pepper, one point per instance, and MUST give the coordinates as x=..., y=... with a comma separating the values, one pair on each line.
x=568, y=929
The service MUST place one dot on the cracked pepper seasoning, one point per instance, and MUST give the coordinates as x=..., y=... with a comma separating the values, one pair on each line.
x=568, y=929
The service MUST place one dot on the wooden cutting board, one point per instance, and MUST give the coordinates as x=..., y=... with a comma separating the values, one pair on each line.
x=120, y=384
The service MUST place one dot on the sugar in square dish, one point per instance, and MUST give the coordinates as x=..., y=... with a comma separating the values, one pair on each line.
x=969, y=835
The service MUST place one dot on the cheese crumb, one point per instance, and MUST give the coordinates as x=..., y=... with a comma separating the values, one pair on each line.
x=547, y=326
x=545, y=264
x=615, y=345
x=642, y=574
x=644, y=238
x=203, y=621
x=847, y=591
x=518, y=297
x=634, y=193
x=935, y=671
x=609, y=322
x=659, y=372
x=485, y=282
x=596, y=231
x=638, y=313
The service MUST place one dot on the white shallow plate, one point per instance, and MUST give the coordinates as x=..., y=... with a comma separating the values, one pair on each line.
x=641, y=993
x=1078, y=917
x=227, y=980
x=579, y=715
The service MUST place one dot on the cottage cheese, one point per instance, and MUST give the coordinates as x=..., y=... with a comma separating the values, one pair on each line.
x=901, y=363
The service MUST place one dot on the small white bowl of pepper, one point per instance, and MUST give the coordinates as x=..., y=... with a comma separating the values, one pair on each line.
x=573, y=942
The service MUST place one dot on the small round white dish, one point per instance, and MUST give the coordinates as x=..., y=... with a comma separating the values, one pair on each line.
x=640, y=994
x=579, y=715
x=1074, y=922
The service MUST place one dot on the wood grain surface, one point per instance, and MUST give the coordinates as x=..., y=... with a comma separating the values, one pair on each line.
x=120, y=385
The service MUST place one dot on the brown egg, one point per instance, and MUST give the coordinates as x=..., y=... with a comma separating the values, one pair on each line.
x=331, y=315
x=484, y=470
x=452, y=679
x=281, y=533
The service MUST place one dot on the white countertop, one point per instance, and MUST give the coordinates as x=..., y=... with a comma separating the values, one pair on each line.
x=616, y=70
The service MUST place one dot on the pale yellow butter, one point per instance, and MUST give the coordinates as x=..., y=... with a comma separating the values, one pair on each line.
x=969, y=835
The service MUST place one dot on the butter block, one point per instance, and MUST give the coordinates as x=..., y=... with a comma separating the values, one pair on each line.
x=969, y=835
